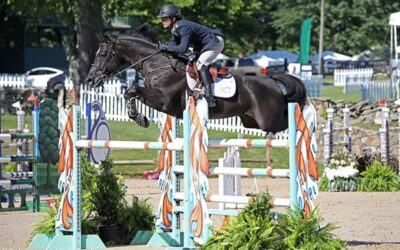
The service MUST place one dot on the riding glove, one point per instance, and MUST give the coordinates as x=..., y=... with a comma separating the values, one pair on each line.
x=163, y=47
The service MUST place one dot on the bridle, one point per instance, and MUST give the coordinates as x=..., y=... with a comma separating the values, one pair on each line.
x=113, y=54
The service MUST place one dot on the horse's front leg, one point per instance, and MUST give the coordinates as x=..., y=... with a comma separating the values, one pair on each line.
x=130, y=98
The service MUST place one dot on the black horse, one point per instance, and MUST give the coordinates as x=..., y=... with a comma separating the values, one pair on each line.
x=260, y=102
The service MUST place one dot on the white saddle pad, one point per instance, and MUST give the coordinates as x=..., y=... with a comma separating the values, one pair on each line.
x=223, y=87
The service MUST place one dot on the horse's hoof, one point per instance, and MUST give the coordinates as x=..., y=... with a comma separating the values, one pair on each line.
x=142, y=121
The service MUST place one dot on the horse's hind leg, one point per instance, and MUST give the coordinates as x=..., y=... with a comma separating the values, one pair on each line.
x=130, y=97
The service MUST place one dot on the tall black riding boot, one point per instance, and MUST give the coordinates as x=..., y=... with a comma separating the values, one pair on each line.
x=206, y=80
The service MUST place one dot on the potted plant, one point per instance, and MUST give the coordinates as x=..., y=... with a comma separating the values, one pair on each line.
x=107, y=201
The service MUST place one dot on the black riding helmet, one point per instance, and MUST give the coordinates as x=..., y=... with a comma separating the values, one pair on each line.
x=170, y=10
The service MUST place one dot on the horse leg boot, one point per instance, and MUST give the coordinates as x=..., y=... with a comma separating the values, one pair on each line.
x=140, y=119
x=206, y=80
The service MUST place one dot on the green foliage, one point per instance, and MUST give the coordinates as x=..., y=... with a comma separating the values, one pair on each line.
x=324, y=185
x=107, y=195
x=134, y=217
x=249, y=26
x=370, y=155
x=253, y=228
x=379, y=178
x=89, y=174
x=324, y=114
x=308, y=234
x=10, y=168
x=48, y=223
x=104, y=204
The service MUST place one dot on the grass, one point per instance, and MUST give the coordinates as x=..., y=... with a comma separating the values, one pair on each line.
x=336, y=94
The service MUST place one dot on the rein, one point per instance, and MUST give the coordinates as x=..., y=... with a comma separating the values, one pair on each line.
x=104, y=76
x=134, y=64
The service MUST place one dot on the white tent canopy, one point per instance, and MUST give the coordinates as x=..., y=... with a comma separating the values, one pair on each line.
x=394, y=19
x=331, y=56
x=268, y=58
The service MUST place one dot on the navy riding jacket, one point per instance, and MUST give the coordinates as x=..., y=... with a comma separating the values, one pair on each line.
x=185, y=33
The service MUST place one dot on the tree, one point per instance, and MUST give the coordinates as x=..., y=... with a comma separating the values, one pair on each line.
x=248, y=25
x=84, y=24
x=350, y=26
x=242, y=22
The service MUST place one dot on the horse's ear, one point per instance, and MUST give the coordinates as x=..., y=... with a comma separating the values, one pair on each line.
x=145, y=31
x=108, y=37
x=98, y=36
x=142, y=29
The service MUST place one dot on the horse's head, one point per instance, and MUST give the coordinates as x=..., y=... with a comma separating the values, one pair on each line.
x=105, y=63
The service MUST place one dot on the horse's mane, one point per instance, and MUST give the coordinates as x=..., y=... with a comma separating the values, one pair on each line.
x=143, y=33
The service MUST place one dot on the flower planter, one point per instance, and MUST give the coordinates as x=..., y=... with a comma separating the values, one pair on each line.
x=340, y=184
x=109, y=233
x=342, y=179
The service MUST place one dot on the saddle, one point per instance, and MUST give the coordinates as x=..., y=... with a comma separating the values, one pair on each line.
x=222, y=72
x=223, y=86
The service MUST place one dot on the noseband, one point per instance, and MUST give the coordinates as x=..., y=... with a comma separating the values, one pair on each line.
x=113, y=54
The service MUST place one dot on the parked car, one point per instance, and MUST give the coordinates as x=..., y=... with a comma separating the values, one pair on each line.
x=44, y=77
x=243, y=66
x=51, y=81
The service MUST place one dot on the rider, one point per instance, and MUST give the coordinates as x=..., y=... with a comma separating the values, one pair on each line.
x=207, y=42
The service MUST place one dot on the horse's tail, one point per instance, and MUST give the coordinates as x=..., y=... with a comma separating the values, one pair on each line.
x=296, y=90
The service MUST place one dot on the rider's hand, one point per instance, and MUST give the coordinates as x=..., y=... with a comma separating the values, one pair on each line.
x=163, y=47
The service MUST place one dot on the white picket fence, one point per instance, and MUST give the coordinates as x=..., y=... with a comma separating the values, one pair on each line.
x=314, y=84
x=360, y=80
x=16, y=81
x=374, y=91
x=352, y=79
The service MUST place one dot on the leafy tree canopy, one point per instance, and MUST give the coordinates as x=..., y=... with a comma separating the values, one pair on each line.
x=248, y=25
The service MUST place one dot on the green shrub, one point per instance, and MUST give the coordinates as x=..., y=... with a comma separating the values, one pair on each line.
x=48, y=223
x=10, y=167
x=379, y=178
x=370, y=155
x=253, y=228
x=106, y=195
x=308, y=234
x=103, y=204
x=134, y=217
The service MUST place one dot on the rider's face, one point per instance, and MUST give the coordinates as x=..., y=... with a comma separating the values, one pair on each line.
x=166, y=22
